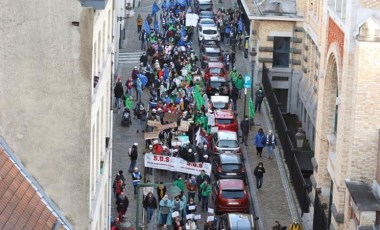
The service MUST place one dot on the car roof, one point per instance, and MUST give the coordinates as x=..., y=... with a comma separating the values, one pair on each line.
x=215, y=65
x=224, y=113
x=239, y=218
x=227, y=135
x=217, y=78
x=218, y=98
x=205, y=12
x=212, y=49
x=205, y=1
x=229, y=158
x=207, y=19
x=231, y=184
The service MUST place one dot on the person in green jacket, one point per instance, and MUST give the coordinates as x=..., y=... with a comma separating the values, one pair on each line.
x=234, y=74
x=205, y=192
x=239, y=82
x=179, y=183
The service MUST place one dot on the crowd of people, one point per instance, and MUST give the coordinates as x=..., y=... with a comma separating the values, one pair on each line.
x=167, y=73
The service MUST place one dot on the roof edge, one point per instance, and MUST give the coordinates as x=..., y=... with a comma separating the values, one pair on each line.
x=63, y=222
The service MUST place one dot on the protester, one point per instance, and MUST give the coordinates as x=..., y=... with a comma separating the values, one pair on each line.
x=150, y=204
x=133, y=154
x=136, y=178
x=122, y=203
x=206, y=189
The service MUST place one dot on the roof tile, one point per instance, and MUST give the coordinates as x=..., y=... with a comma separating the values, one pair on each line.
x=20, y=205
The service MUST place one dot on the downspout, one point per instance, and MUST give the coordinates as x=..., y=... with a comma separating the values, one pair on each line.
x=291, y=71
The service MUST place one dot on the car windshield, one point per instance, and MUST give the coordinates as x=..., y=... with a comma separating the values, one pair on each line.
x=210, y=32
x=231, y=168
x=233, y=194
x=216, y=70
x=218, y=84
x=213, y=54
x=241, y=225
x=205, y=7
x=220, y=105
x=224, y=121
x=228, y=144
x=206, y=14
x=207, y=22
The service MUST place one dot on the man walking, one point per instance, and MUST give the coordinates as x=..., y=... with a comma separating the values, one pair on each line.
x=244, y=127
x=259, y=174
x=136, y=178
x=270, y=142
x=205, y=192
x=259, y=99
x=200, y=179
x=119, y=92
x=133, y=157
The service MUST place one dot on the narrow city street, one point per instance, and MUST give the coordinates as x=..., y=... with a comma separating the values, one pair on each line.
x=274, y=202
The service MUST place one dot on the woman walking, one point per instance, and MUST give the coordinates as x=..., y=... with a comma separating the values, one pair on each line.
x=259, y=174
x=150, y=204
x=259, y=142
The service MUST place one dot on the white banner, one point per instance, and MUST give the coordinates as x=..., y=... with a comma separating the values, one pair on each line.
x=192, y=20
x=175, y=164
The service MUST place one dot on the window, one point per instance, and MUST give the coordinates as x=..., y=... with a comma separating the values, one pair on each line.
x=231, y=168
x=224, y=121
x=228, y=144
x=281, y=49
x=233, y=194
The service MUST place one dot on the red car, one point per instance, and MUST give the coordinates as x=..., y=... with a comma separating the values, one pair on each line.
x=230, y=196
x=226, y=120
x=215, y=69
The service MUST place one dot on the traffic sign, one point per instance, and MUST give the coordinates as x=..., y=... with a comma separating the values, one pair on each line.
x=247, y=81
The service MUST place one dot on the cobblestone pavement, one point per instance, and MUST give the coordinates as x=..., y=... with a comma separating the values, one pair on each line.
x=273, y=202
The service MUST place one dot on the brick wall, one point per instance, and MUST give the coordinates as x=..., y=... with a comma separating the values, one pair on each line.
x=371, y=4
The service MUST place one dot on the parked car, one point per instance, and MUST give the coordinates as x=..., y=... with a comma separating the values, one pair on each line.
x=206, y=14
x=206, y=22
x=226, y=120
x=220, y=102
x=225, y=142
x=228, y=166
x=235, y=221
x=214, y=68
x=208, y=43
x=217, y=85
x=229, y=196
x=209, y=33
x=211, y=54
x=203, y=5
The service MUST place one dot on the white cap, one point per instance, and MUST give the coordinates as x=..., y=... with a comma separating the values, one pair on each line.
x=205, y=156
x=151, y=146
x=190, y=150
x=270, y=131
x=154, y=110
x=136, y=144
x=164, y=147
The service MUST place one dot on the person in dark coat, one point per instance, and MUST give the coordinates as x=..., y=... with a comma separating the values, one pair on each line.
x=259, y=142
x=259, y=99
x=133, y=154
x=118, y=92
x=150, y=204
x=234, y=96
x=122, y=203
x=259, y=174
x=144, y=59
x=200, y=179
x=244, y=127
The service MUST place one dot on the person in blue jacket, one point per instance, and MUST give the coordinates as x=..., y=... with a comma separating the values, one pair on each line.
x=259, y=142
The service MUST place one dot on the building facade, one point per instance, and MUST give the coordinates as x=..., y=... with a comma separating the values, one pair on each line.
x=326, y=74
x=348, y=115
x=56, y=81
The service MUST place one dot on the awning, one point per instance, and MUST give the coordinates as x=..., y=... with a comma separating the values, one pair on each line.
x=363, y=196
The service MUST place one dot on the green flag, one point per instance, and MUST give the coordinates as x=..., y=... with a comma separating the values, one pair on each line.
x=198, y=98
x=128, y=103
x=251, y=109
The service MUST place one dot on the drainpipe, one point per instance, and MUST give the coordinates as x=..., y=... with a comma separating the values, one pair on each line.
x=291, y=72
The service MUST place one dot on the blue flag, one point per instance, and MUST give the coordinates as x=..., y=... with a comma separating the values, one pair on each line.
x=156, y=27
x=143, y=79
x=155, y=8
x=240, y=25
x=182, y=2
x=146, y=26
x=183, y=33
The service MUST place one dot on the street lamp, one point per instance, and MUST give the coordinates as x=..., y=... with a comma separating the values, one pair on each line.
x=253, y=54
x=300, y=137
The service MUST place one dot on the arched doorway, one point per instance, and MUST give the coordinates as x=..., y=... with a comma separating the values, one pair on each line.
x=330, y=107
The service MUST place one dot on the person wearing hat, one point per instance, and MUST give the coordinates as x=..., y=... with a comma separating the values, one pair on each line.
x=206, y=159
x=133, y=157
x=141, y=116
x=119, y=92
x=270, y=143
